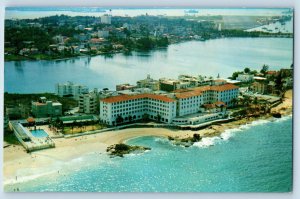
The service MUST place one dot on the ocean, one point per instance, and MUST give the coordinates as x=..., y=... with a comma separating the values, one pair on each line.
x=256, y=157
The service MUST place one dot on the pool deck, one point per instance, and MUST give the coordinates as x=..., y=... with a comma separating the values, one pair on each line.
x=28, y=141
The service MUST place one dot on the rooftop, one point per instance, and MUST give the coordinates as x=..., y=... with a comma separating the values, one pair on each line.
x=121, y=98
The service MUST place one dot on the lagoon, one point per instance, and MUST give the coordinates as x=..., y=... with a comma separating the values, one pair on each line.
x=210, y=58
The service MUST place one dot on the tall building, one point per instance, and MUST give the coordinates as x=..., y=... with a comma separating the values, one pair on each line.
x=106, y=19
x=70, y=89
x=177, y=104
x=88, y=103
x=45, y=108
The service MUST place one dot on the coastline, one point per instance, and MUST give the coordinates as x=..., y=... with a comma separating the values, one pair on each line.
x=16, y=160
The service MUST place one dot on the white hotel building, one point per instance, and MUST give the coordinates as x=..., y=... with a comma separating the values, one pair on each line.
x=184, y=102
x=135, y=106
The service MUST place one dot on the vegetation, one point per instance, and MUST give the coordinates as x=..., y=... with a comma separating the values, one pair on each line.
x=264, y=69
x=35, y=39
x=77, y=127
x=10, y=138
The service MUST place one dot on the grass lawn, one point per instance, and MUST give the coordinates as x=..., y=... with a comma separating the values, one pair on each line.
x=68, y=130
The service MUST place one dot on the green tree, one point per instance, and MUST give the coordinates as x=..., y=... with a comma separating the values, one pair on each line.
x=158, y=117
x=145, y=117
x=247, y=70
x=264, y=69
x=119, y=119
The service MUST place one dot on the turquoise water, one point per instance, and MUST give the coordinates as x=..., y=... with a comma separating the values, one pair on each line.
x=220, y=56
x=254, y=158
x=39, y=133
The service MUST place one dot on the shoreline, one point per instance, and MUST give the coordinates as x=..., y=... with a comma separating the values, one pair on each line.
x=18, y=164
x=112, y=53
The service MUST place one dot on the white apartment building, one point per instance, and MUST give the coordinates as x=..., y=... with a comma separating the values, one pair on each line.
x=245, y=77
x=106, y=19
x=88, y=103
x=70, y=88
x=133, y=107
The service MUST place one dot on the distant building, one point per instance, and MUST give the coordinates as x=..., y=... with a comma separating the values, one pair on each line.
x=88, y=103
x=106, y=19
x=168, y=85
x=148, y=83
x=83, y=37
x=103, y=33
x=70, y=89
x=171, y=84
x=245, y=77
x=79, y=27
x=271, y=87
x=16, y=112
x=191, y=80
x=126, y=86
x=45, y=108
x=259, y=87
x=59, y=39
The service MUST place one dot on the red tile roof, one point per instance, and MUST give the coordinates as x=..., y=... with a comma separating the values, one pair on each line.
x=223, y=87
x=186, y=93
x=121, y=98
x=30, y=120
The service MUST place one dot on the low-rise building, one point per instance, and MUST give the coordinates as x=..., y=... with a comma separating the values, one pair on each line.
x=148, y=83
x=126, y=86
x=259, y=87
x=172, y=84
x=45, y=108
x=17, y=112
x=245, y=77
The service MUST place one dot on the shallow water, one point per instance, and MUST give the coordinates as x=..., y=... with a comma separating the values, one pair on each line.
x=253, y=158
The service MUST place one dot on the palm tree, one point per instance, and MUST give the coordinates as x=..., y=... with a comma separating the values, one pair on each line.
x=234, y=101
x=158, y=117
x=130, y=118
x=145, y=117
x=119, y=119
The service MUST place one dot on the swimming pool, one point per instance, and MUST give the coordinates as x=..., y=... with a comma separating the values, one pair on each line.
x=39, y=133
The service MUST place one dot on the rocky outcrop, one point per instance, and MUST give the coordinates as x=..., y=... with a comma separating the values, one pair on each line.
x=123, y=149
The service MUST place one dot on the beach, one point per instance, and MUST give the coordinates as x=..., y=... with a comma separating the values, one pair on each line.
x=18, y=164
